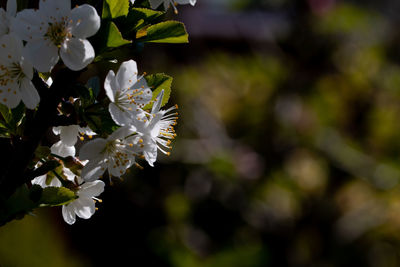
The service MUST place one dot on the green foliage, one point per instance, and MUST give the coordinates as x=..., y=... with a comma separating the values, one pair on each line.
x=19, y=204
x=158, y=82
x=57, y=196
x=141, y=17
x=113, y=36
x=165, y=32
x=11, y=120
x=113, y=9
x=42, y=152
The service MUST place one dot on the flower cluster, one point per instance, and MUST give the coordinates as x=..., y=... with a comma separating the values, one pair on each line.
x=38, y=42
x=142, y=133
x=50, y=32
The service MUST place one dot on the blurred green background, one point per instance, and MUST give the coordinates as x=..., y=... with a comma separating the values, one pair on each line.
x=288, y=148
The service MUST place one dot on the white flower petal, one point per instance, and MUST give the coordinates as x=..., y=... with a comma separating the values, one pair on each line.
x=92, y=189
x=69, y=134
x=157, y=104
x=146, y=94
x=77, y=53
x=110, y=86
x=127, y=74
x=29, y=25
x=4, y=24
x=155, y=3
x=43, y=54
x=84, y=207
x=11, y=7
x=40, y=180
x=68, y=214
x=26, y=66
x=93, y=170
x=70, y=175
x=92, y=149
x=120, y=117
x=9, y=95
x=55, y=9
x=87, y=131
x=85, y=21
x=117, y=169
x=29, y=94
x=62, y=150
x=57, y=130
x=166, y=4
x=150, y=154
x=11, y=49
x=184, y=2
x=122, y=133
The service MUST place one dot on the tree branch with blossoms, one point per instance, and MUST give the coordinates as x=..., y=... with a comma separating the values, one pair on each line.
x=52, y=61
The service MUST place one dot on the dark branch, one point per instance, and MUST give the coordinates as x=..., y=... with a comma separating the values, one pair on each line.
x=21, y=153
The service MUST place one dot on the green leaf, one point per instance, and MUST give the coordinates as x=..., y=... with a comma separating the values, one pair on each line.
x=166, y=32
x=114, y=36
x=115, y=9
x=42, y=152
x=4, y=133
x=57, y=196
x=140, y=17
x=6, y=113
x=19, y=204
x=17, y=114
x=106, y=13
x=159, y=82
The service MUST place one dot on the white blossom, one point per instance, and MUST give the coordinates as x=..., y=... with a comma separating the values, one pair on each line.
x=68, y=138
x=116, y=153
x=7, y=16
x=127, y=92
x=86, y=192
x=84, y=206
x=16, y=74
x=46, y=181
x=156, y=3
x=54, y=30
x=43, y=182
x=155, y=130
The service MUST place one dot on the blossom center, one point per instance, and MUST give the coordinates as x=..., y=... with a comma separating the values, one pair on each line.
x=126, y=98
x=110, y=147
x=11, y=74
x=57, y=32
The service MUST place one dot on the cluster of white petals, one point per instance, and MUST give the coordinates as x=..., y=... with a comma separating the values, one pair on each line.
x=35, y=40
x=6, y=16
x=16, y=74
x=156, y=3
x=142, y=133
x=68, y=138
x=51, y=32
x=155, y=130
x=54, y=30
x=84, y=206
x=116, y=154
x=86, y=192
x=127, y=92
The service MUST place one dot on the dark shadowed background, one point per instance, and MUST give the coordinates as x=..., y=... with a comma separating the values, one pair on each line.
x=288, y=148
